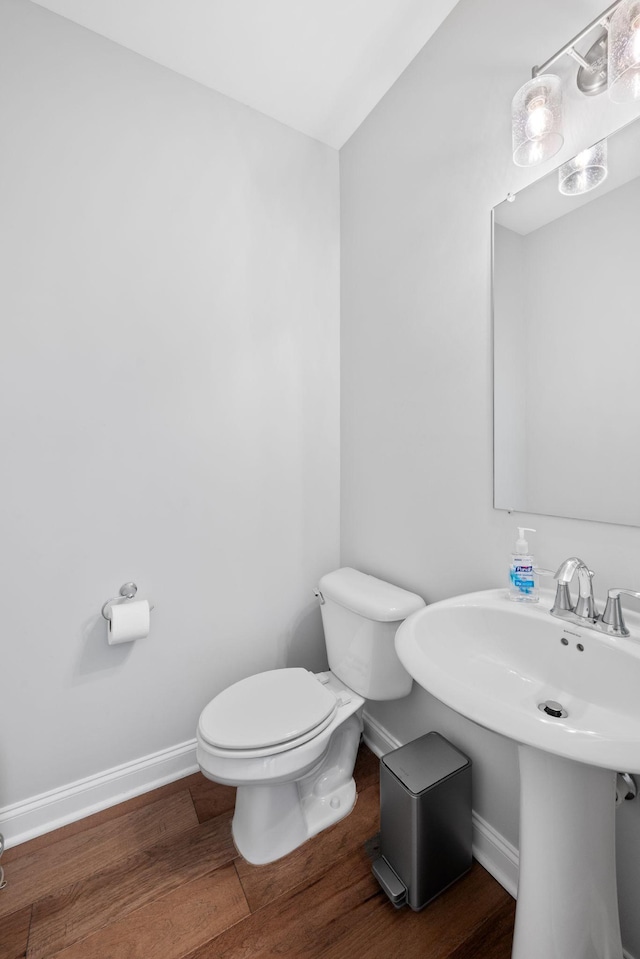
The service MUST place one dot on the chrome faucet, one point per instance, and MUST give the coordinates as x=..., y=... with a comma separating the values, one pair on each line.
x=585, y=608
x=584, y=613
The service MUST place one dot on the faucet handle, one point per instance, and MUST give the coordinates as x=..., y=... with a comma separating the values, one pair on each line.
x=612, y=615
x=563, y=599
x=563, y=596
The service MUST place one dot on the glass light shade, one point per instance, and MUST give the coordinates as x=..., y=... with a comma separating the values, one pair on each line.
x=624, y=53
x=536, y=118
x=585, y=171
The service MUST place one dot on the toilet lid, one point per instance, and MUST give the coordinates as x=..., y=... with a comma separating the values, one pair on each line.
x=267, y=709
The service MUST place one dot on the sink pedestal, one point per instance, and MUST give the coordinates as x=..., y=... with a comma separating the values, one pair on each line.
x=495, y=662
x=567, y=895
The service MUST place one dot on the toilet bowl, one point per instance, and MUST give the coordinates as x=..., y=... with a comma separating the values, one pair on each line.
x=288, y=738
x=287, y=791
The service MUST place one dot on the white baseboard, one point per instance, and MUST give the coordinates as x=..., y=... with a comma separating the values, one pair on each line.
x=490, y=848
x=58, y=807
x=495, y=853
x=378, y=739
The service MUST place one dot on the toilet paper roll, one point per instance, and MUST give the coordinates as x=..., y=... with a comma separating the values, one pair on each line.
x=129, y=621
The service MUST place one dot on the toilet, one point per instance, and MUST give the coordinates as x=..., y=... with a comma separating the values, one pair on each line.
x=288, y=738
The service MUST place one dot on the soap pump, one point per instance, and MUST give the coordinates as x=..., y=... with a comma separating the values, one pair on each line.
x=523, y=586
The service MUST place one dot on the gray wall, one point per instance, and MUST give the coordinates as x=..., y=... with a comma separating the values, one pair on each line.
x=418, y=181
x=169, y=392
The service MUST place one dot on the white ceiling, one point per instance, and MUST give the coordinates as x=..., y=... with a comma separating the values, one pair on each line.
x=320, y=66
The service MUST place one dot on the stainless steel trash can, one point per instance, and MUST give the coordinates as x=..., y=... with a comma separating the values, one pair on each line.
x=425, y=820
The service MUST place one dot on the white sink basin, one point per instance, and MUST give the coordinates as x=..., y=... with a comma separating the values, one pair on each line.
x=495, y=661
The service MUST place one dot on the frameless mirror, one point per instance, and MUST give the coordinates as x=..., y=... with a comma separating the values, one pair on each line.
x=566, y=290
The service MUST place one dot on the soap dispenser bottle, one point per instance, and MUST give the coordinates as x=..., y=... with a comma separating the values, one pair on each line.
x=523, y=585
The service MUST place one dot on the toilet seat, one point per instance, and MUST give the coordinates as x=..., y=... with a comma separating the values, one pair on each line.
x=268, y=713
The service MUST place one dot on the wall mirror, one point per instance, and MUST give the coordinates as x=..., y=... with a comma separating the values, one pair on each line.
x=566, y=322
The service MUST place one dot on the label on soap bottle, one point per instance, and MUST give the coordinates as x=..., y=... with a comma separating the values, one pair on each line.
x=522, y=577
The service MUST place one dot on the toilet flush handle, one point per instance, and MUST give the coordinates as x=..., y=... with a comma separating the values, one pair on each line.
x=319, y=595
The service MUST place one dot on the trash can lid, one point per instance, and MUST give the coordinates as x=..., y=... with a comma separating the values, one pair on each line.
x=422, y=763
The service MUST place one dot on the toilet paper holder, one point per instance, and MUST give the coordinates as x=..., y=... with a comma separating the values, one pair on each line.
x=127, y=591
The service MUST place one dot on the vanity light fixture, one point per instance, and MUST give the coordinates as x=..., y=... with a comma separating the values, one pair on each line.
x=612, y=61
x=585, y=171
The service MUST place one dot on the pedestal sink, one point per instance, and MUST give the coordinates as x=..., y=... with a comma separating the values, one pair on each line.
x=502, y=664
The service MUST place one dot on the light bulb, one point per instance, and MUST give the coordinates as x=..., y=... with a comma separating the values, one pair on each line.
x=536, y=154
x=540, y=119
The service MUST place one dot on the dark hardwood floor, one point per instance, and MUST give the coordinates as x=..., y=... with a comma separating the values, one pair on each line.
x=158, y=877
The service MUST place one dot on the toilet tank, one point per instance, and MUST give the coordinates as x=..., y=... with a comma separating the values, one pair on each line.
x=360, y=616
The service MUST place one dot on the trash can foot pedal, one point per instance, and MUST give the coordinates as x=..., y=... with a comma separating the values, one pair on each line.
x=390, y=882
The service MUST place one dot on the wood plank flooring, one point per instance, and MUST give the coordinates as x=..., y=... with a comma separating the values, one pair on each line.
x=158, y=877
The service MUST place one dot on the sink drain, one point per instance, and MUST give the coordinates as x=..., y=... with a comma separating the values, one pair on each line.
x=551, y=708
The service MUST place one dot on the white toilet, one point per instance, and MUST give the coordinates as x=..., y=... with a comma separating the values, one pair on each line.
x=288, y=738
